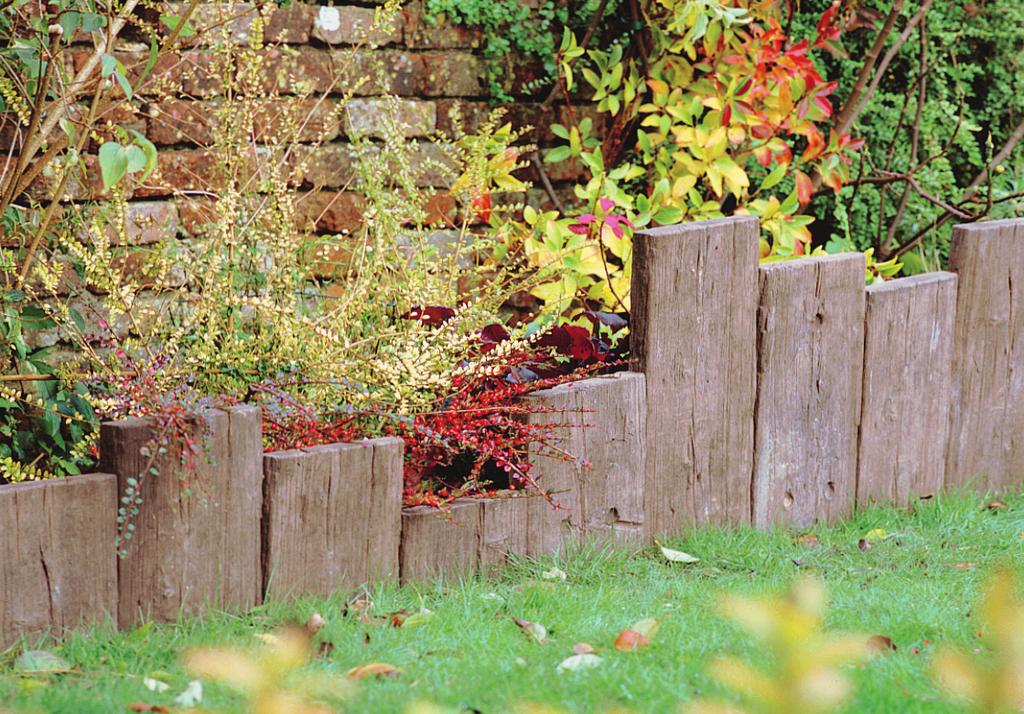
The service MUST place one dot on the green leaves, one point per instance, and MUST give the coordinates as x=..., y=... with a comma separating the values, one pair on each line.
x=172, y=23
x=118, y=160
x=110, y=66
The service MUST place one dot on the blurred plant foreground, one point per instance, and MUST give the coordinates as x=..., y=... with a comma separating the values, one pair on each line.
x=399, y=219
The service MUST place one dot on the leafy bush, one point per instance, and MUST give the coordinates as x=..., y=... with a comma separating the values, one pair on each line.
x=947, y=110
x=397, y=328
x=51, y=109
x=515, y=34
x=712, y=110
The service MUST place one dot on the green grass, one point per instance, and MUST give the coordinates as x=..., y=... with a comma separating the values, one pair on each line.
x=913, y=587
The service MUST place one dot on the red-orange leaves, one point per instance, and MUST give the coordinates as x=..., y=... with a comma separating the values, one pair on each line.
x=804, y=187
x=637, y=636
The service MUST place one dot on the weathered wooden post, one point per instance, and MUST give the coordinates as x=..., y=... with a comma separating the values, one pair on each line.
x=810, y=360
x=908, y=353
x=599, y=494
x=331, y=516
x=58, y=566
x=694, y=302
x=196, y=549
x=472, y=534
x=986, y=437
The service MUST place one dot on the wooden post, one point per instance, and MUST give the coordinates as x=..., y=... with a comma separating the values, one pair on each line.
x=58, y=565
x=908, y=352
x=986, y=438
x=810, y=363
x=694, y=300
x=331, y=516
x=193, y=547
x=472, y=534
x=600, y=494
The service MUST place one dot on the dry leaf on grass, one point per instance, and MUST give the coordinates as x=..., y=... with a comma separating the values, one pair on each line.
x=677, y=556
x=373, y=669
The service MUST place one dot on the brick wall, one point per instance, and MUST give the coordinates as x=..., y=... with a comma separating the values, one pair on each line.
x=430, y=68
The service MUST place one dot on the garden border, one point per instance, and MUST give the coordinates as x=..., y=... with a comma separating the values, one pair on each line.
x=710, y=427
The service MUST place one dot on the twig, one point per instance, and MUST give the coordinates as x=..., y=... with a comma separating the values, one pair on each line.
x=969, y=193
x=915, y=140
x=862, y=89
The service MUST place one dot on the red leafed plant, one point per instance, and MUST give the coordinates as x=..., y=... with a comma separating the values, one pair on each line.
x=478, y=437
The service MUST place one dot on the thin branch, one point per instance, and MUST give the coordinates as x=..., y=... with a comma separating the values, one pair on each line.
x=1000, y=156
x=60, y=107
x=845, y=117
x=915, y=139
x=969, y=193
x=862, y=90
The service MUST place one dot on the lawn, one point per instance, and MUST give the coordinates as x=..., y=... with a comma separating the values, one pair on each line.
x=916, y=586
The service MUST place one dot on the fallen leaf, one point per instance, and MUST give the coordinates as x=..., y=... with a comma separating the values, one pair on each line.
x=582, y=648
x=875, y=535
x=808, y=539
x=192, y=695
x=648, y=627
x=359, y=606
x=579, y=662
x=41, y=662
x=638, y=635
x=155, y=685
x=629, y=640
x=554, y=574
x=314, y=624
x=533, y=630
x=139, y=707
x=373, y=669
x=863, y=544
x=417, y=618
x=397, y=618
x=996, y=505
x=880, y=644
x=677, y=556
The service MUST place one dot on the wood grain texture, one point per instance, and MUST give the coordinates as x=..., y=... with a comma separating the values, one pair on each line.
x=331, y=516
x=474, y=534
x=908, y=352
x=694, y=301
x=191, y=549
x=599, y=495
x=242, y=579
x=441, y=544
x=810, y=364
x=58, y=565
x=385, y=512
x=986, y=444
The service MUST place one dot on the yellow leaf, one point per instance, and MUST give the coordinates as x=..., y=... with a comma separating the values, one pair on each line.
x=735, y=178
x=737, y=134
